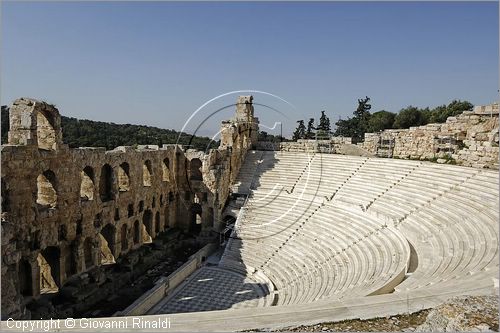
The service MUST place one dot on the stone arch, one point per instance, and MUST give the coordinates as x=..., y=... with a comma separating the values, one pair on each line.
x=157, y=223
x=46, y=189
x=195, y=169
x=25, y=278
x=124, y=177
x=50, y=269
x=88, y=249
x=147, y=172
x=106, y=183
x=166, y=170
x=87, y=183
x=147, y=226
x=46, y=130
x=137, y=232
x=196, y=219
x=124, y=238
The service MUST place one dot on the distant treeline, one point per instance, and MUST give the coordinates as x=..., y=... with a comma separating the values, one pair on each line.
x=363, y=121
x=366, y=122
x=89, y=133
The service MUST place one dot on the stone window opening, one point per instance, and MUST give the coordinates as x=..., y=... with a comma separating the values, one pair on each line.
x=123, y=238
x=106, y=183
x=87, y=184
x=147, y=227
x=137, y=232
x=124, y=177
x=153, y=202
x=70, y=260
x=157, y=223
x=166, y=170
x=130, y=210
x=107, y=237
x=195, y=169
x=79, y=227
x=147, y=172
x=5, y=196
x=25, y=278
x=88, y=253
x=141, y=206
x=196, y=219
x=117, y=214
x=161, y=200
x=45, y=130
x=46, y=189
x=49, y=265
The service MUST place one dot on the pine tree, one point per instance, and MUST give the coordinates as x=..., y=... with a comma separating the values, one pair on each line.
x=310, y=129
x=300, y=131
x=324, y=128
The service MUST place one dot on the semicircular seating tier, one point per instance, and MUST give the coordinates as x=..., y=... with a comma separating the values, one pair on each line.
x=319, y=232
x=324, y=226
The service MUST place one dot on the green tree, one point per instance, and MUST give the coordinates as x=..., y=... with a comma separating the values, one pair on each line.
x=408, y=117
x=323, y=129
x=362, y=116
x=310, y=129
x=380, y=121
x=324, y=123
x=345, y=127
x=300, y=131
x=357, y=126
x=442, y=112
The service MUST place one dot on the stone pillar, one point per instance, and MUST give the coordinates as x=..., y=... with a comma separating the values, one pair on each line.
x=80, y=258
x=64, y=251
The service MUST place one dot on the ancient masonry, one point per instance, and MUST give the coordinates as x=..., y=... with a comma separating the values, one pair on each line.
x=66, y=210
x=469, y=139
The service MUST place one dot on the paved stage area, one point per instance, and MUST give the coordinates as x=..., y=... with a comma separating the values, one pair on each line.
x=212, y=288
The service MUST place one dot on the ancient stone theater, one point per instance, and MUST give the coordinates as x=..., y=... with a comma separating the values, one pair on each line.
x=284, y=234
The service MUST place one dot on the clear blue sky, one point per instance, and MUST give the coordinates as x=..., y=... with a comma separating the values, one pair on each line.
x=155, y=63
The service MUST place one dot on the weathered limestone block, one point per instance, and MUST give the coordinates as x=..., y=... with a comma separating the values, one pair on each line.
x=467, y=136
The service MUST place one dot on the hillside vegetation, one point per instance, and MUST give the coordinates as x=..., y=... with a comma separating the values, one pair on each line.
x=89, y=133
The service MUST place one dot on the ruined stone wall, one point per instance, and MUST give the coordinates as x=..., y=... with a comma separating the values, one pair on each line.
x=65, y=211
x=469, y=139
x=330, y=146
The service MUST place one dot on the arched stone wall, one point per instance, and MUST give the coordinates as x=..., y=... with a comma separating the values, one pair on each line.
x=66, y=203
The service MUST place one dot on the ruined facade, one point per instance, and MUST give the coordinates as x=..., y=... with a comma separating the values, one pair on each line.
x=469, y=139
x=65, y=211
